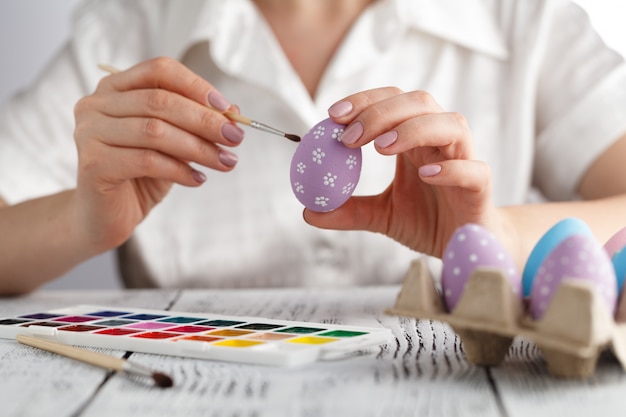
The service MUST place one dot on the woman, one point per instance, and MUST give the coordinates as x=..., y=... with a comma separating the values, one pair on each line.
x=490, y=100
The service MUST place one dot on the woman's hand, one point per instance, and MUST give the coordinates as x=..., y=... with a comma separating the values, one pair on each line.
x=438, y=186
x=136, y=136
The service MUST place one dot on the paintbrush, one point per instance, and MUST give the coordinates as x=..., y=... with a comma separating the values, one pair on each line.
x=229, y=114
x=97, y=359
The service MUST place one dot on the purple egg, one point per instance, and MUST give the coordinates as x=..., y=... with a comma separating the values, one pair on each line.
x=576, y=257
x=470, y=247
x=324, y=172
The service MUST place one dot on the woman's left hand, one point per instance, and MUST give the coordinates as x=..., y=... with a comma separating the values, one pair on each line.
x=438, y=185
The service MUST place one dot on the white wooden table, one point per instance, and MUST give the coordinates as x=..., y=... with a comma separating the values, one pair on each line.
x=422, y=372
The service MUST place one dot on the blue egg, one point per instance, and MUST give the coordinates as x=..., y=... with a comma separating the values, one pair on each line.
x=619, y=263
x=545, y=245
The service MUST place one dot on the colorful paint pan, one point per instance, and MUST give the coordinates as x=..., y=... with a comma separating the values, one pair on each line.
x=181, y=320
x=75, y=319
x=109, y=313
x=44, y=324
x=205, y=336
x=149, y=325
x=40, y=316
x=9, y=322
x=116, y=331
x=220, y=323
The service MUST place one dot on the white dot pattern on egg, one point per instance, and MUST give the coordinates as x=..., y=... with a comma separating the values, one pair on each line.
x=324, y=172
x=470, y=247
x=577, y=257
x=557, y=233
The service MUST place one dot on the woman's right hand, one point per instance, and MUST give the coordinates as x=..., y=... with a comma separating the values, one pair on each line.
x=136, y=136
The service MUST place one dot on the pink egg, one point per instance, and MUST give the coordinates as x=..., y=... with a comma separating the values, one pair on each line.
x=576, y=257
x=616, y=242
x=470, y=247
x=324, y=172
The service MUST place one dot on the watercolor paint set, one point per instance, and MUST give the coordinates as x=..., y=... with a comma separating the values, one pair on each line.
x=253, y=340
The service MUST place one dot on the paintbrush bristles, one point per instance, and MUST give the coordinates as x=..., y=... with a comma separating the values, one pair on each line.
x=162, y=380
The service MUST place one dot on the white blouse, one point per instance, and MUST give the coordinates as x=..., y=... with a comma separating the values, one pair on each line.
x=543, y=95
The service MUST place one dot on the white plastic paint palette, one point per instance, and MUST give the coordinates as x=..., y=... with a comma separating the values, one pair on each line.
x=205, y=336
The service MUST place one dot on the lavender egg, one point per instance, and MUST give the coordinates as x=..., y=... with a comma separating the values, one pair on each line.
x=324, y=172
x=471, y=247
x=550, y=240
x=577, y=257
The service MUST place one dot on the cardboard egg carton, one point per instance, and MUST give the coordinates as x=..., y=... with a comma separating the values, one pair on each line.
x=574, y=331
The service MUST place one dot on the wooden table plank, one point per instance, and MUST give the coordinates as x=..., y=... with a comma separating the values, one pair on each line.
x=421, y=372
x=37, y=383
x=527, y=389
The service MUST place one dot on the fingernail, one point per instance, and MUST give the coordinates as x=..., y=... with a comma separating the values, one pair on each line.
x=227, y=158
x=386, y=139
x=198, y=176
x=218, y=101
x=340, y=109
x=352, y=133
x=233, y=133
x=429, y=170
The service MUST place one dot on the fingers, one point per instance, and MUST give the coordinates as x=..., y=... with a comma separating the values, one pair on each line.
x=161, y=112
x=397, y=122
x=165, y=89
x=449, y=132
x=138, y=163
x=374, y=112
x=155, y=134
x=468, y=184
x=470, y=175
x=167, y=74
x=358, y=213
x=173, y=109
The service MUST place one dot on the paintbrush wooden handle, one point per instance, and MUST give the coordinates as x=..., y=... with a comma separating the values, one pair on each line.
x=93, y=358
x=236, y=117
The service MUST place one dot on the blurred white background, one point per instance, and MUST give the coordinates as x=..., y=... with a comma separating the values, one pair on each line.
x=31, y=31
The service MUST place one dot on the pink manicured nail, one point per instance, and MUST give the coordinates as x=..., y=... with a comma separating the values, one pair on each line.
x=352, y=133
x=232, y=132
x=218, y=101
x=340, y=109
x=227, y=158
x=429, y=170
x=386, y=139
x=198, y=176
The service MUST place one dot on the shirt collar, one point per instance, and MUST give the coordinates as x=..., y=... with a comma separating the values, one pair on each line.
x=467, y=23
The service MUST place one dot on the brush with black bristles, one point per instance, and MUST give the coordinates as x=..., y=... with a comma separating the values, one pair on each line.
x=98, y=359
x=230, y=115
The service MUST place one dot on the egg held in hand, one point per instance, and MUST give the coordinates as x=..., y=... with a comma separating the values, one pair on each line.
x=471, y=247
x=324, y=172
